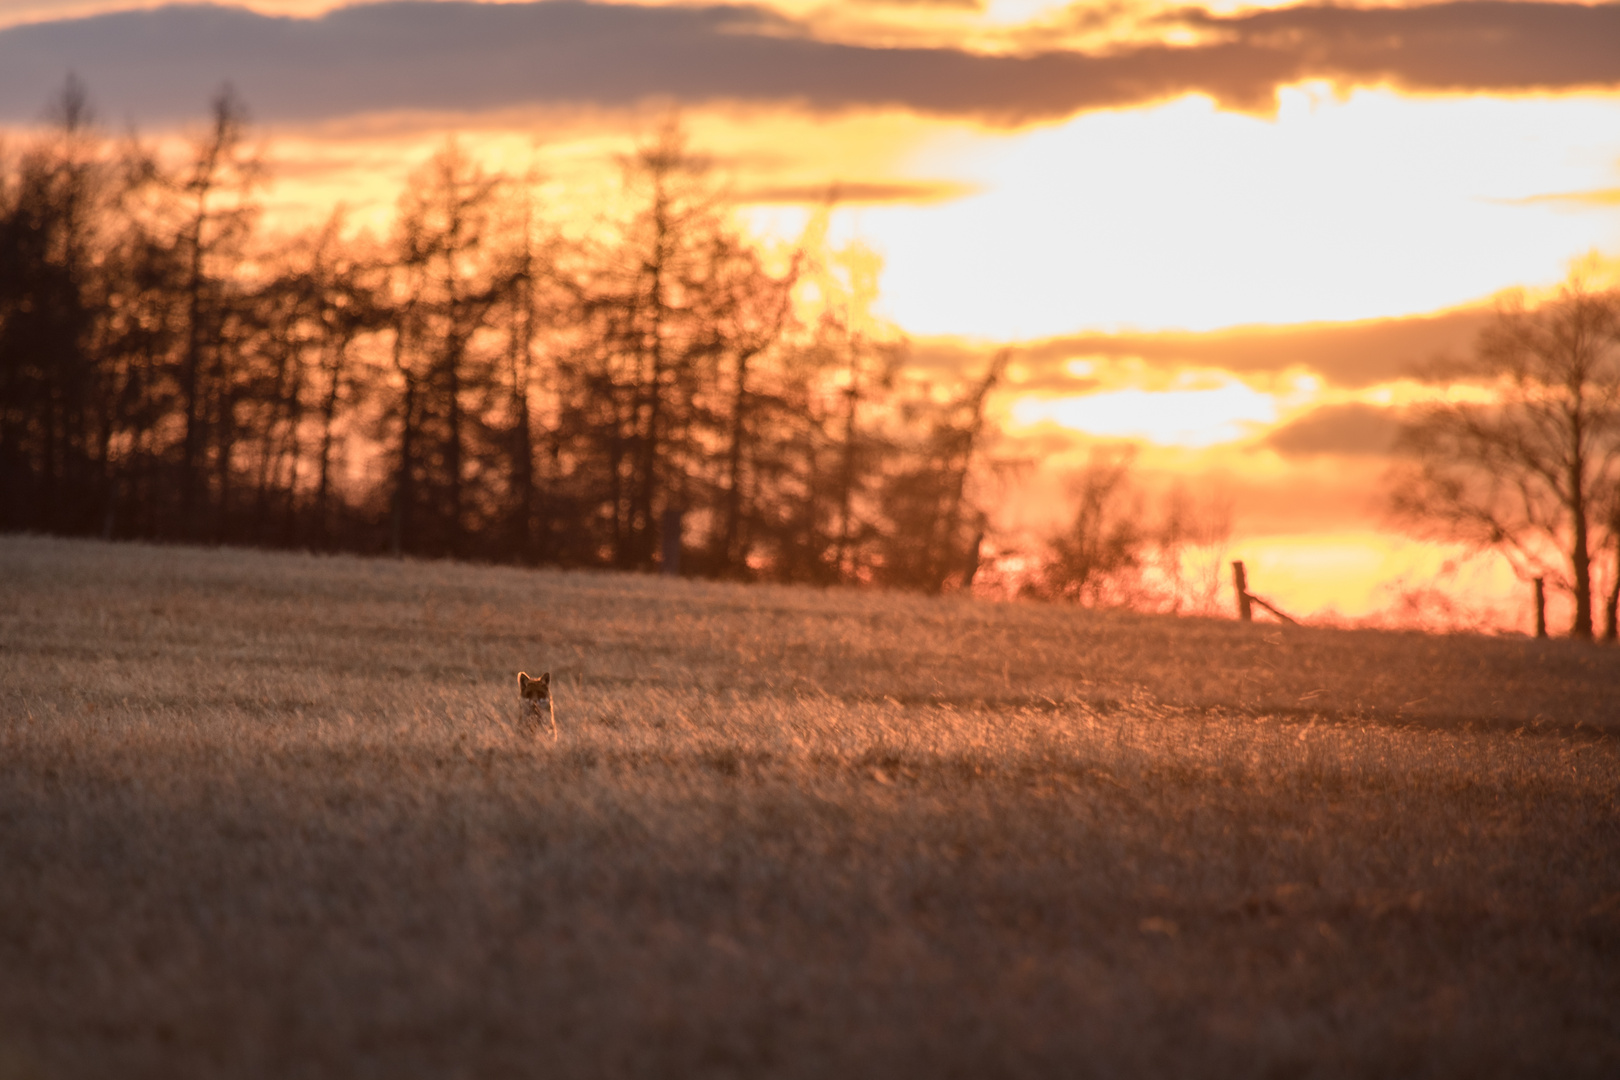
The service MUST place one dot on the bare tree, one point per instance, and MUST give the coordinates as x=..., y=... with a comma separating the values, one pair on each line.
x=1096, y=560
x=1528, y=466
x=843, y=380
x=483, y=384
x=933, y=528
x=527, y=274
x=748, y=310
x=448, y=280
x=215, y=215
x=346, y=296
x=1189, y=549
x=1149, y=550
x=664, y=401
x=640, y=371
x=52, y=218
x=1611, y=602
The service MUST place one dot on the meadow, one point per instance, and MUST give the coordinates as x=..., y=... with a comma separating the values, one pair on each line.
x=270, y=815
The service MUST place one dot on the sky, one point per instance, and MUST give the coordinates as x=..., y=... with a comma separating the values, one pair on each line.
x=1227, y=233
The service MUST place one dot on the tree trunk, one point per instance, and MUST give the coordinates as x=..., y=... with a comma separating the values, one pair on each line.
x=522, y=479
x=292, y=452
x=846, y=478
x=649, y=457
x=190, y=369
x=945, y=557
x=403, y=482
x=328, y=418
x=192, y=374
x=1611, y=603
x=226, y=451
x=733, y=558
x=1580, y=558
x=453, y=447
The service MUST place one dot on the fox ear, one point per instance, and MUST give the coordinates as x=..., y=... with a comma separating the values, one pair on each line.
x=523, y=678
x=545, y=681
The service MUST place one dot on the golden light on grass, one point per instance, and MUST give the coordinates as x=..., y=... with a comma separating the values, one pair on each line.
x=269, y=813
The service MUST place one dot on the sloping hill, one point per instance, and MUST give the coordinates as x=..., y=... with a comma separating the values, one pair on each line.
x=266, y=815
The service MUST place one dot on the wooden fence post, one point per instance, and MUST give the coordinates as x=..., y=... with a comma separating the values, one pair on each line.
x=1240, y=582
x=1541, y=608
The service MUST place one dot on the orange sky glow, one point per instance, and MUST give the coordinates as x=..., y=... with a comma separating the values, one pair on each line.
x=1209, y=272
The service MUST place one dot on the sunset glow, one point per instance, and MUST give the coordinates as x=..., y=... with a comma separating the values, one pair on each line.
x=1185, y=216
x=1192, y=418
x=1235, y=264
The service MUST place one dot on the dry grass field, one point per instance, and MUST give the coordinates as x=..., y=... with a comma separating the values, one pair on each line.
x=269, y=816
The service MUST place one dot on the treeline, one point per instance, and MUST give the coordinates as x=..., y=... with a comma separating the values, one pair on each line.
x=474, y=384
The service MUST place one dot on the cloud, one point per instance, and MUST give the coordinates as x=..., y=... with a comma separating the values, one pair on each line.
x=1573, y=200
x=162, y=65
x=847, y=193
x=969, y=5
x=1354, y=355
x=1354, y=430
x=1471, y=45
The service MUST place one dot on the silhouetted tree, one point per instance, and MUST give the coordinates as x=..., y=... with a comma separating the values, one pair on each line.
x=476, y=386
x=842, y=432
x=648, y=355
x=529, y=276
x=1528, y=471
x=140, y=333
x=341, y=290
x=213, y=217
x=449, y=277
x=748, y=309
x=53, y=216
x=660, y=401
x=1190, y=529
x=1096, y=560
x=792, y=522
x=933, y=533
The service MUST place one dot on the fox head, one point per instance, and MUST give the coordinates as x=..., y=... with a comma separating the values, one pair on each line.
x=533, y=689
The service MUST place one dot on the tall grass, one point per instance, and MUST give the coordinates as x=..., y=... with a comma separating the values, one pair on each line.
x=268, y=815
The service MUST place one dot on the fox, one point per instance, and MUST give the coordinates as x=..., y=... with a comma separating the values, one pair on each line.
x=534, y=702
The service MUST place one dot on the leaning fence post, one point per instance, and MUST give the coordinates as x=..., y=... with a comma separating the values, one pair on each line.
x=1240, y=581
x=1541, y=608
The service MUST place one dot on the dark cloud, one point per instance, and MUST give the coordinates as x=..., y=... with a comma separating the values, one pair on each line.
x=1353, y=430
x=163, y=64
x=1474, y=45
x=1355, y=354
